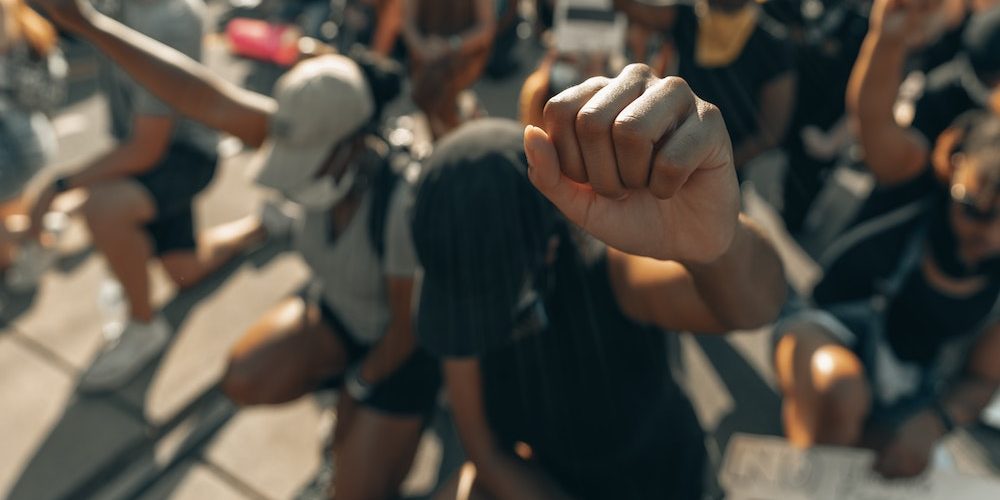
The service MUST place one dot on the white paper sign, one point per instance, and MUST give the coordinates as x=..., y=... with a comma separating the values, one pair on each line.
x=769, y=468
x=589, y=26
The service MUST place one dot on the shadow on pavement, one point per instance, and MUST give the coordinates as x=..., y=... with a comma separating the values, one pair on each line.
x=103, y=446
x=756, y=406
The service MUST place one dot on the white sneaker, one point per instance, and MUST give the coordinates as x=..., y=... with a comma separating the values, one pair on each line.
x=277, y=219
x=123, y=357
x=32, y=261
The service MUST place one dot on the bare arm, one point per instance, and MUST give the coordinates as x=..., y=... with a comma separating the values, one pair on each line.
x=179, y=81
x=777, y=102
x=743, y=289
x=390, y=23
x=651, y=16
x=480, y=36
x=398, y=343
x=412, y=35
x=139, y=153
x=500, y=472
x=968, y=398
x=894, y=154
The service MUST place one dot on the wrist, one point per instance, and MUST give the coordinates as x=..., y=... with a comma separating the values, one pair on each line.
x=455, y=43
x=733, y=248
x=355, y=384
x=943, y=416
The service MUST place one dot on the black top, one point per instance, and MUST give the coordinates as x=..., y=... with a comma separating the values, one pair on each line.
x=736, y=88
x=919, y=319
x=593, y=385
x=944, y=100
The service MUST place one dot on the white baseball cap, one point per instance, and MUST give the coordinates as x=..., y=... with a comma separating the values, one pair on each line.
x=321, y=102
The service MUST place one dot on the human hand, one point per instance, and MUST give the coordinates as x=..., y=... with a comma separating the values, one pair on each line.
x=909, y=451
x=69, y=14
x=642, y=164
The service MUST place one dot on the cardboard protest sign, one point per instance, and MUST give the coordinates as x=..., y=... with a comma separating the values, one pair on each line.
x=769, y=468
x=589, y=26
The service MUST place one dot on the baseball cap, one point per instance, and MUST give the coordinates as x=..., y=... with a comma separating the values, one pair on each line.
x=480, y=230
x=321, y=102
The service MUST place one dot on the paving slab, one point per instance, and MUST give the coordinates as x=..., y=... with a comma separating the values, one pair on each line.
x=194, y=481
x=178, y=444
x=275, y=450
x=89, y=441
x=34, y=392
x=206, y=329
x=65, y=317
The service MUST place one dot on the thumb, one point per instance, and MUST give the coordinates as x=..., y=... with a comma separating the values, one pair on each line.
x=572, y=198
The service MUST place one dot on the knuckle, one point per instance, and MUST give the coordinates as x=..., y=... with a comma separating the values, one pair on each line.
x=629, y=130
x=557, y=111
x=591, y=122
x=678, y=84
x=638, y=70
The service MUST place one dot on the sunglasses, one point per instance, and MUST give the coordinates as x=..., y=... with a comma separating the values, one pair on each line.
x=972, y=210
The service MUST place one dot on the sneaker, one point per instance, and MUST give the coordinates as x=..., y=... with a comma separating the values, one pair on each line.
x=123, y=357
x=277, y=219
x=32, y=261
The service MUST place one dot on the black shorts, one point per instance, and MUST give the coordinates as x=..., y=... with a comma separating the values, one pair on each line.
x=184, y=172
x=411, y=391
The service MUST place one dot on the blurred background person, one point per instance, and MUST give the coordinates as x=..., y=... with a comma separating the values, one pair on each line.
x=901, y=346
x=553, y=343
x=449, y=44
x=351, y=329
x=826, y=48
x=140, y=194
x=32, y=73
x=736, y=58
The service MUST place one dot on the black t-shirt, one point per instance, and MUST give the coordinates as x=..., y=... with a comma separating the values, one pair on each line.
x=919, y=319
x=944, y=100
x=736, y=88
x=593, y=395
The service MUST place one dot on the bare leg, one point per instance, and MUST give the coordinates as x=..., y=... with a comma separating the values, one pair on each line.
x=826, y=393
x=282, y=357
x=216, y=247
x=116, y=213
x=462, y=486
x=372, y=451
x=7, y=240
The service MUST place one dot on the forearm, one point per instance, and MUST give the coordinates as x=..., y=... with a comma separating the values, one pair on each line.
x=389, y=26
x=967, y=399
x=871, y=97
x=122, y=161
x=395, y=347
x=746, y=287
x=184, y=84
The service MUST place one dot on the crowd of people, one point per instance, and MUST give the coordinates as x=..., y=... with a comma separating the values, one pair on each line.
x=529, y=274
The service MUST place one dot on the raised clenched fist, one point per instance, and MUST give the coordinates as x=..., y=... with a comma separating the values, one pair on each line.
x=641, y=163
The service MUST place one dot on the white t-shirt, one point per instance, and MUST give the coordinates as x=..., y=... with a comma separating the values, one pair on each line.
x=353, y=278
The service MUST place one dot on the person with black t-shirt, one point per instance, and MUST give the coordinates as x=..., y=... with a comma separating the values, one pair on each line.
x=735, y=57
x=551, y=326
x=969, y=81
x=901, y=347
